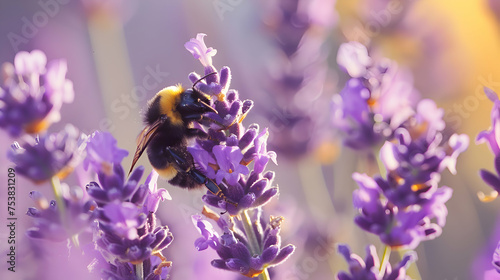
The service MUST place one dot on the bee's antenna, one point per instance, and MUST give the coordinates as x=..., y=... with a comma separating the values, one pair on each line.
x=200, y=79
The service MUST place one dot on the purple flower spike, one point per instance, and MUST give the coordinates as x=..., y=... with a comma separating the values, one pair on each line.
x=235, y=158
x=377, y=99
x=405, y=216
x=56, y=154
x=32, y=94
x=233, y=249
x=360, y=269
x=491, y=137
x=48, y=223
x=102, y=152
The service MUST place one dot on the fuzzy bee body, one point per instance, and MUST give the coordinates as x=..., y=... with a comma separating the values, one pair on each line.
x=169, y=118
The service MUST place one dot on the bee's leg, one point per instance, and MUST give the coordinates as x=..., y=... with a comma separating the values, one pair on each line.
x=194, y=132
x=183, y=161
x=210, y=184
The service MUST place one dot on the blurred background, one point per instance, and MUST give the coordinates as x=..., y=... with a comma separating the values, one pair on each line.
x=120, y=53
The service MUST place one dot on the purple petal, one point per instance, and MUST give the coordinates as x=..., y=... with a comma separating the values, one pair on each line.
x=284, y=253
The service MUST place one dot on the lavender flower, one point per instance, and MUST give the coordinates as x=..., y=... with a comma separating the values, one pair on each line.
x=102, y=152
x=401, y=207
x=48, y=223
x=490, y=137
x=369, y=268
x=126, y=222
x=224, y=157
x=32, y=94
x=200, y=51
x=404, y=226
x=127, y=229
x=48, y=155
x=234, y=246
x=418, y=154
x=375, y=101
x=250, y=245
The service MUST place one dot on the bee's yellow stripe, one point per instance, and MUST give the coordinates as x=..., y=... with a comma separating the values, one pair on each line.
x=169, y=98
x=168, y=173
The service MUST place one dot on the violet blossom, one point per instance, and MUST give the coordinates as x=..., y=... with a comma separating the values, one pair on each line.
x=490, y=136
x=48, y=223
x=376, y=100
x=127, y=231
x=48, y=155
x=32, y=93
x=235, y=157
x=226, y=155
x=102, y=152
x=234, y=247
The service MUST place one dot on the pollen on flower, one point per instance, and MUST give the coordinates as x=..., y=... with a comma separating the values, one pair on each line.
x=487, y=197
x=253, y=273
x=275, y=222
x=418, y=187
x=371, y=102
x=37, y=126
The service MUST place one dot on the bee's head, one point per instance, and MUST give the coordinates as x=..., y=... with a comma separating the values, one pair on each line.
x=193, y=104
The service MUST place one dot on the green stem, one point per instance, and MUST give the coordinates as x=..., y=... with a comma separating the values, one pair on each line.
x=247, y=223
x=385, y=259
x=264, y=275
x=252, y=240
x=76, y=242
x=139, y=271
x=56, y=187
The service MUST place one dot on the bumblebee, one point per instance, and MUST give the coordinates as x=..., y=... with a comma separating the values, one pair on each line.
x=169, y=122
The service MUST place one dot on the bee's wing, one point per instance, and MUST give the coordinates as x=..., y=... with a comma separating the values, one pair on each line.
x=145, y=137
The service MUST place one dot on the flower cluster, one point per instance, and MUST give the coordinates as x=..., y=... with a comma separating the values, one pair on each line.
x=119, y=214
x=126, y=230
x=230, y=147
x=379, y=109
x=491, y=138
x=414, y=160
x=369, y=268
x=48, y=155
x=235, y=157
x=234, y=248
x=398, y=226
x=378, y=97
x=32, y=93
x=493, y=179
x=50, y=225
x=378, y=106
